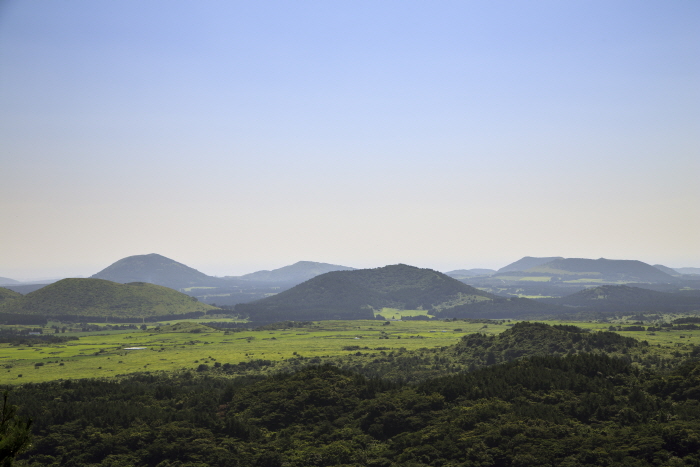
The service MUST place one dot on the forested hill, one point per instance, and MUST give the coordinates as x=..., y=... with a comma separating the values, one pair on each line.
x=101, y=298
x=156, y=269
x=7, y=294
x=353, y=294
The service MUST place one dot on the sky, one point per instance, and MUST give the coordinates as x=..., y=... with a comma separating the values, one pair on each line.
x=238, y=136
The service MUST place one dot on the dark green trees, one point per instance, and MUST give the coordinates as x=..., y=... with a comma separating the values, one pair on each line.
x=14, y=433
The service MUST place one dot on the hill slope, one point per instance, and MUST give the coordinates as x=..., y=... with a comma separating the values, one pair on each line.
x=354, y=294
x=297, y=272
x=101, y=298
x=155, y=269
x=604, y=269
x=527, y=262
x=7, y=281
x=7, y=295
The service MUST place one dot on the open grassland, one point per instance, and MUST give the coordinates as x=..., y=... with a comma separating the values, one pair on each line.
x=395, y=313
x=104, y=355
x=185, y=345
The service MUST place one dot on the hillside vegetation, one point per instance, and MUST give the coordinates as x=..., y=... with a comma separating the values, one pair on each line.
x=102, y=298
x=7, y=295
x=355, y=294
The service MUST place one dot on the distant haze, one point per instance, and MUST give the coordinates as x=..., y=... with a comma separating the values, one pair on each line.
x=239, y=136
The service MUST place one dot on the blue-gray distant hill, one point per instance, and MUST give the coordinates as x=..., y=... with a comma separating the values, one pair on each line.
x=693, y=271
x=295, y=273
x=526, y=263
x=8, y=281
x=667, y=270
x=156, y=269
x=356, y=294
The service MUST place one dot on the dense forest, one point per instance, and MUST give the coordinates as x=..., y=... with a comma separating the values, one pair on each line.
x=535, y=395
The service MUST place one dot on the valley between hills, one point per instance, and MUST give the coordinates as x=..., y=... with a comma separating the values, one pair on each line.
x=549, y=361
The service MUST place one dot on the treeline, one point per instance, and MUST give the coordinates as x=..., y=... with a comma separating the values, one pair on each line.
x=586, y=409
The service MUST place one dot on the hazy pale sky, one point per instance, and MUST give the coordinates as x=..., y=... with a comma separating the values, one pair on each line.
x=237, y=136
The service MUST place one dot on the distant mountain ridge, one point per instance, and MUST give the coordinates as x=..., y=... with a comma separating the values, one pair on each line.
x=687, y=270
x=155, y=269
x=298, y=272
x=8, y=281
x=355, y=294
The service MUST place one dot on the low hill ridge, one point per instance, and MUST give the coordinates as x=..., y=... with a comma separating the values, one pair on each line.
x=102, y=298
x=625, y=298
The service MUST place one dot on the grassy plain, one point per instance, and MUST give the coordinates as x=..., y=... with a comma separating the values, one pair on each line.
x=103, y=354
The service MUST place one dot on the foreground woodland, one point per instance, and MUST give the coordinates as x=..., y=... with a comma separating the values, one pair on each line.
x=532, y=395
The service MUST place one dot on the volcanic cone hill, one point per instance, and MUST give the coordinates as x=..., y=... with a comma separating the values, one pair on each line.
x=97, y=298
x=156, y=269
x=355, y=294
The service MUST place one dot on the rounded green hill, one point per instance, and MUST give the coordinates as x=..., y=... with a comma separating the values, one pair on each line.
x=98, y=297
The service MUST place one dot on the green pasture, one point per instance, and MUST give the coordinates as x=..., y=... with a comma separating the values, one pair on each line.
x=395, y=313
x=104, y=354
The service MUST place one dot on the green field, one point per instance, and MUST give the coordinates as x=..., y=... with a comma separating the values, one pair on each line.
x=394, y=313
x=103, y=353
